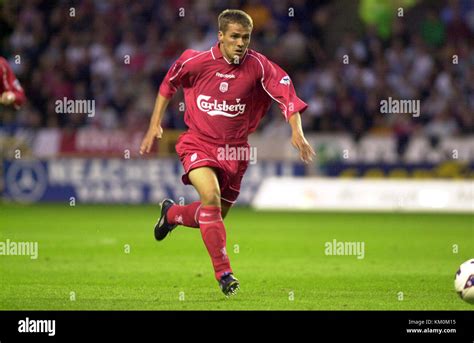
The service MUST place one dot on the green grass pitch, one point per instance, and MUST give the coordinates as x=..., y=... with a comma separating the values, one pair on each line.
x=279, y=258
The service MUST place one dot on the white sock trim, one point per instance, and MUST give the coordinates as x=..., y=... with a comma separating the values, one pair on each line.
x=214, y=221
x=195, y=215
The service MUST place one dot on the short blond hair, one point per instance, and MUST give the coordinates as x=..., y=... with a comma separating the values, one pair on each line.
x=234, y=16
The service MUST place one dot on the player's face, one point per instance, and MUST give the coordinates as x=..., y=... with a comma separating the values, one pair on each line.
x=234, y=41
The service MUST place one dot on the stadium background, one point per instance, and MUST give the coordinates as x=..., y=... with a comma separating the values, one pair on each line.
x=344, y=57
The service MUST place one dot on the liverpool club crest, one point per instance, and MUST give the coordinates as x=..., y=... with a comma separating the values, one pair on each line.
x=224, y=87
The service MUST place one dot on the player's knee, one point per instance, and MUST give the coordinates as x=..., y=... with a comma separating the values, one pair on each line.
x=211, y=198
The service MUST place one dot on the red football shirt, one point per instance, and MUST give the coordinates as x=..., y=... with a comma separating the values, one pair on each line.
x=10, y=83
x=225, y=101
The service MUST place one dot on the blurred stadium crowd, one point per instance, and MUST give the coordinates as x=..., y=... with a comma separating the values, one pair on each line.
x=117, y=52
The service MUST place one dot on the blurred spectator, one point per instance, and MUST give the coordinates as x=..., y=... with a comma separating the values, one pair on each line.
x=432, y=29
x=260, y=14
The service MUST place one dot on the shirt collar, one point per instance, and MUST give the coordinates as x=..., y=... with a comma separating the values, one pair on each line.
x=217, y=54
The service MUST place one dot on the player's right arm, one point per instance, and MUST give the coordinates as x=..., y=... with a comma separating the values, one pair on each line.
x=154, y=130
x=174, y=78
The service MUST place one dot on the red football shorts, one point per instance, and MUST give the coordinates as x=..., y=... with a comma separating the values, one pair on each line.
x=194, y=152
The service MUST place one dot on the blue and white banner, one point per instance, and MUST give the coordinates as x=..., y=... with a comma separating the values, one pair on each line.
x=119, y=180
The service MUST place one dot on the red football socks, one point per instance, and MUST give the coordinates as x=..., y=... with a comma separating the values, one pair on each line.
x=214, y=237
x=187, y=215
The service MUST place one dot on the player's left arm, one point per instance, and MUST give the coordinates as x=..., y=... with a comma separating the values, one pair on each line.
x=279, y=87
x=298, y=139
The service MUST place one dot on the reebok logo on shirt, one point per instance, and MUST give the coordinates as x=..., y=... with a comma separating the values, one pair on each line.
x=225, y=76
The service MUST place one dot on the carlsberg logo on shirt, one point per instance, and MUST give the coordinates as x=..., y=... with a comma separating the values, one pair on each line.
x=216, y=108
